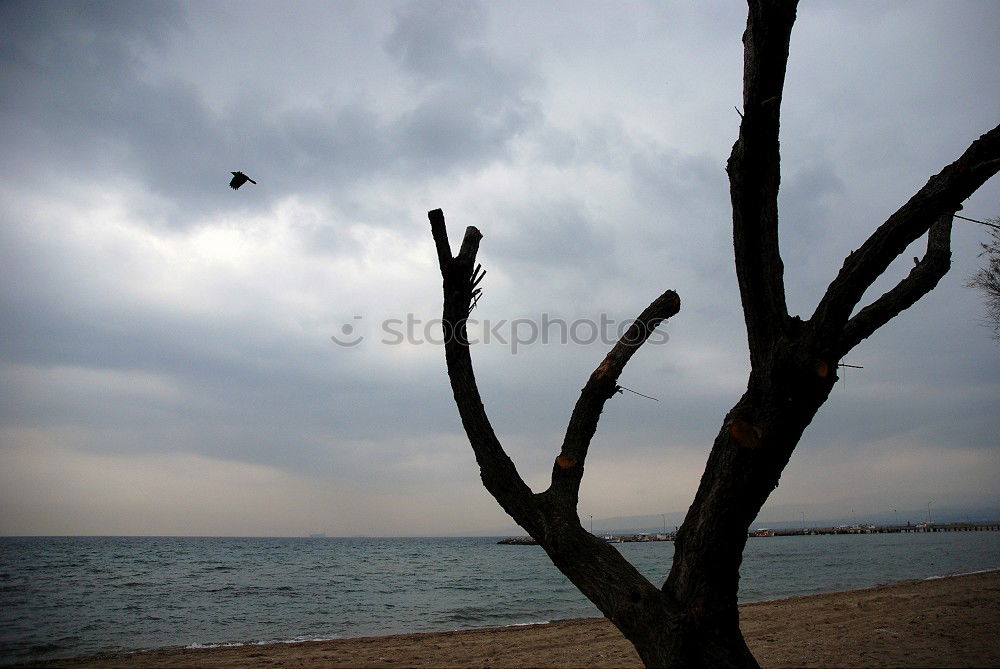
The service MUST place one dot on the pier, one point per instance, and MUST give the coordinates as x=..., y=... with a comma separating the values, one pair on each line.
x=919, y=528
x=992, y=526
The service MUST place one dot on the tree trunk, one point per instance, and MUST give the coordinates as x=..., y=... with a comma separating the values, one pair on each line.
x=665, y=631
x=708, y=642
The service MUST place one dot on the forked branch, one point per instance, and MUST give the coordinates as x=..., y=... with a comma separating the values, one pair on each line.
x=920, y=281
x=461, y=276
x=597, y=569
x=942, y=195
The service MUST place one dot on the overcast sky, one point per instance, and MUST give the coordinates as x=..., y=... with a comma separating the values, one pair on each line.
x=167, y=357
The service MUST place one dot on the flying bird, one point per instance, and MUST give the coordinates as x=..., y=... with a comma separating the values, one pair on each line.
x=239, y=179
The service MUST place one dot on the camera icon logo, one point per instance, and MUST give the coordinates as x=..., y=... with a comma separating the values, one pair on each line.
x=348, y=338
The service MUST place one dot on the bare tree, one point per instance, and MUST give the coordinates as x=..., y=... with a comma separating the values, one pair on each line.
x=987, y=279
x=692, y=619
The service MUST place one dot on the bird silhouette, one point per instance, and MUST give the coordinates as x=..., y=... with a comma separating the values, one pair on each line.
x=239, y=179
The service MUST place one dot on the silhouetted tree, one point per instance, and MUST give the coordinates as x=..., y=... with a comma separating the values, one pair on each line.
x=987, y=279
x=692, y=619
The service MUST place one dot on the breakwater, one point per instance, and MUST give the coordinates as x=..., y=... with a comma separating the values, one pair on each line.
x=919, y=528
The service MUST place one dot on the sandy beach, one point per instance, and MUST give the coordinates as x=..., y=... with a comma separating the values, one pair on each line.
x=946, y=622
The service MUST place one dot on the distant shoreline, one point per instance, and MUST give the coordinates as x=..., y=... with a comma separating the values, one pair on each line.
x=939, y=621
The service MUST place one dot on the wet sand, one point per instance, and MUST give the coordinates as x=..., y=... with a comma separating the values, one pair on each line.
x=947, y=622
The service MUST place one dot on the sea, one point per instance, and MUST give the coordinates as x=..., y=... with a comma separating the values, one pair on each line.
x=69, y=596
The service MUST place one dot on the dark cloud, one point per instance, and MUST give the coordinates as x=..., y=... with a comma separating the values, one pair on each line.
x=554, y=240
x=78, y=91
x=74, y=76
x=469, y=103
x=437, y=40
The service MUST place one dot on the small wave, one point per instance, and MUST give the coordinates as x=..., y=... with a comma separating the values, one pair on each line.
x=239, y=644
x=475, y=617
x=963, y=573
x=227, y=644
x=539, y=622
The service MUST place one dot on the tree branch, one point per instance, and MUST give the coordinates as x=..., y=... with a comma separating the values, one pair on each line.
x=498, y=473
x=754, y=173
x=920, y=281
x=941, y=195
x=596, y=568
x=567, y=472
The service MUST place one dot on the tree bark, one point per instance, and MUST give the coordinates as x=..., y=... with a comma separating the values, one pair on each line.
x=692, y=620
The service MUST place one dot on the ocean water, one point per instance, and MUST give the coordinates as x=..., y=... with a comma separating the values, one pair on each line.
x=64, y=596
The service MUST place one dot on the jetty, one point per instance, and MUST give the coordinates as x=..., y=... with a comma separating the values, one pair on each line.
x=992, y=526
x=919, y=528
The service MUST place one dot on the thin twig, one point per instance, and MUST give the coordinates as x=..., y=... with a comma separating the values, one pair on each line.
x=972, y=220
x=844, y=364
x=621, y=388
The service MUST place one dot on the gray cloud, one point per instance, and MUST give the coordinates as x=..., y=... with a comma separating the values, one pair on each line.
x=85, y=106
